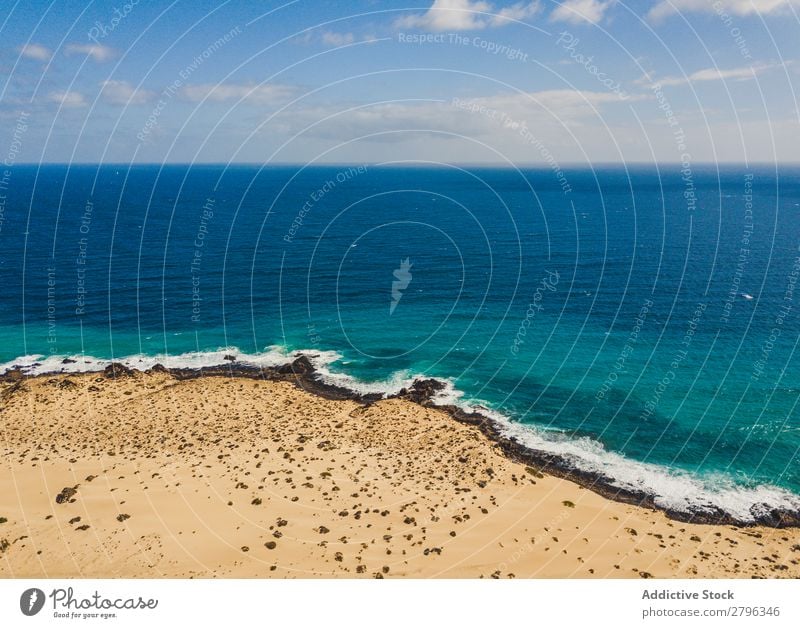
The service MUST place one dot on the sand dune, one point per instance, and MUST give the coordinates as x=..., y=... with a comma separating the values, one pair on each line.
x=222, y=477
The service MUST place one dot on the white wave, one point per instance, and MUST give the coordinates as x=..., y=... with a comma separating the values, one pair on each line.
x=672, y=489
x=390, y=386
x=40, y=364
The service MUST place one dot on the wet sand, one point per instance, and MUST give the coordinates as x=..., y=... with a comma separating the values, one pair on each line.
x=215, y=476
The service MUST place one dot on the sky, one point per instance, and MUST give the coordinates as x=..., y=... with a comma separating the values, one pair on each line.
x=448, y=81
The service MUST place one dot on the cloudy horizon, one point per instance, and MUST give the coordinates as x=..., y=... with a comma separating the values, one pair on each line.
x=456, y=81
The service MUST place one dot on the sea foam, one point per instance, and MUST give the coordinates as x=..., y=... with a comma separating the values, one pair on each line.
x=671, y=489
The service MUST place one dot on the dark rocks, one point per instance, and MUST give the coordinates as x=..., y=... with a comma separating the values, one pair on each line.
x=230, y=358
x=115, y=370
x=74, y=520
x=67, y=494
x=270, y=545
x=776, y=518
x=66, y=384
x=159, y=368
x=122, y=517
x=300, y=366
x=68, y=361
x=422, y=390
x=14, y=375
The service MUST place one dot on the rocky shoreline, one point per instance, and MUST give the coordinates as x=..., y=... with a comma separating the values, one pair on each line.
x=302, y=373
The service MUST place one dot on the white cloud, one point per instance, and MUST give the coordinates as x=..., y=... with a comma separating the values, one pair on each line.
x=485, y=129
x=577, y=11
x=123, y=93
x=67, y=98
x=665, y=8
x=561, y=103
x=466, y=15
x=332, y=38
x=35, y=52
x=224, y=92
x=518, y=11
x=95, y=51
x=485, y=116
x=715, y=74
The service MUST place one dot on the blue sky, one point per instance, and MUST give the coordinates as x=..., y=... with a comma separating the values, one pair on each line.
x=368, y=81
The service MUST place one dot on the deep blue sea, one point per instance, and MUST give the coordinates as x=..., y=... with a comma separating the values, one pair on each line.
x=641, y=322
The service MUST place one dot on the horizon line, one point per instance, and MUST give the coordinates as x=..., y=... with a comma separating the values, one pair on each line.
x=386, y=164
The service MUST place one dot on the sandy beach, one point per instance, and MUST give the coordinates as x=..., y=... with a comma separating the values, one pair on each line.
x=150, y=475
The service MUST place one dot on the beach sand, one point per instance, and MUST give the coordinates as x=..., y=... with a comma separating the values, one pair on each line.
x=235, y=477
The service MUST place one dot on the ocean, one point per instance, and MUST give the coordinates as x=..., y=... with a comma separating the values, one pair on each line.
x=640, y=322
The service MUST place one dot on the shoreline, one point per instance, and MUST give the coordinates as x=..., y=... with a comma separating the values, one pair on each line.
x=156, y=474
x=302, y=373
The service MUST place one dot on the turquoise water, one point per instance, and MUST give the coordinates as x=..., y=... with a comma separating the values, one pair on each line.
x=641, y=323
